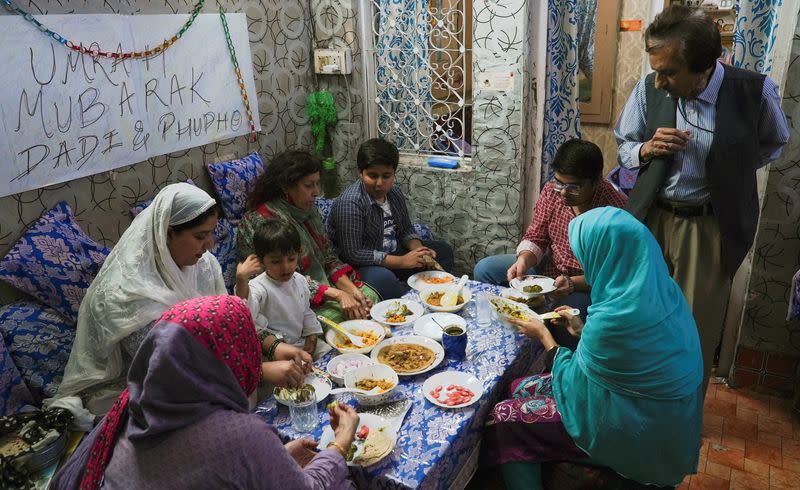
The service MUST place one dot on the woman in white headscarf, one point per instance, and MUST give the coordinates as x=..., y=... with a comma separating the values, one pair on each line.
x=160, y=260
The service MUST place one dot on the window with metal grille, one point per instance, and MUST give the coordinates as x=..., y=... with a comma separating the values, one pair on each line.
x=418, y=74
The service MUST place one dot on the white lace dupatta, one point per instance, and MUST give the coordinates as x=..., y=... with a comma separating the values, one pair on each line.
x=137, y=283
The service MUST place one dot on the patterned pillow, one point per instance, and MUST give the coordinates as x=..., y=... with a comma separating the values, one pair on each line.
x=423, y=231
x=54, y=261
x=623, y=179
x=324, y=206
x=14, y=393
x=224, y=250
x=233, y=181
x=39, y=340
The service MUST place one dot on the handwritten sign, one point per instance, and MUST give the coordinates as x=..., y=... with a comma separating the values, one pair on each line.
x=67, y=115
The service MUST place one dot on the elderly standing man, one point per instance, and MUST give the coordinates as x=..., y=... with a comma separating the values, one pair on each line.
x=698, y=130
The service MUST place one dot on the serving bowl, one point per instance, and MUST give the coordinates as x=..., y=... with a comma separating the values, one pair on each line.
x=337, y=340
x=337, y=367
x=376, y=372
x=427, y=293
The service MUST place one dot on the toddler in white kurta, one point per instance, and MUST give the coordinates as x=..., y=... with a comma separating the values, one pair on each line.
x=278, y=297
x=283, y=308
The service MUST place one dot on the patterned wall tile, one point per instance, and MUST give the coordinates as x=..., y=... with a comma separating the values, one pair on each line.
x=776, y=255
x=280, y=36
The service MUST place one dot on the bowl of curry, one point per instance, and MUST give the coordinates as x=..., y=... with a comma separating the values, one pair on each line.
x=368, y=377
x=432, y=298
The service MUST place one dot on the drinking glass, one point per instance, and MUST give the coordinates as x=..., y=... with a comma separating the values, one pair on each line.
x=304, y=414
x=483, y=310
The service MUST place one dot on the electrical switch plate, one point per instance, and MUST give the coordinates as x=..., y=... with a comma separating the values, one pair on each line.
x=333, y=61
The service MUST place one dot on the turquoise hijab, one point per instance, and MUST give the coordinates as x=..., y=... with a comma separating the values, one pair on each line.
x=640, y=338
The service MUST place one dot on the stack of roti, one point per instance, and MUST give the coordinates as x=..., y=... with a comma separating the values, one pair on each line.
x=377, y=445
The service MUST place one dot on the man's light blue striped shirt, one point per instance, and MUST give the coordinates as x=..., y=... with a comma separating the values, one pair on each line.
x=686, y=181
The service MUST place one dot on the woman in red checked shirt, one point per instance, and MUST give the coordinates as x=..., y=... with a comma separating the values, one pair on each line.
x=576, y=187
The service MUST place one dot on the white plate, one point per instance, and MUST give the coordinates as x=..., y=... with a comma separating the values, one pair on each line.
x=356, y=325
x=431, y=344
x=548, y=284
x=418, y=280
x=504, y=307
x=374, y=422
x=448, y=378
x=322, y=388
x=529, y=300
x=427, y=327
x=378, y=312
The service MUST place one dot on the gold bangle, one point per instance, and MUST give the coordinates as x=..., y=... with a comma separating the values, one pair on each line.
x=339, y=447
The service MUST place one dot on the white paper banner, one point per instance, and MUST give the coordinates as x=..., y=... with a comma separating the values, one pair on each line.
x=67, y=115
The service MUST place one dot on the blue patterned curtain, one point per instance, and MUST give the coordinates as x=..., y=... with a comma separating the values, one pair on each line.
x=561, y=113
x=754, y=37
x=402, y=72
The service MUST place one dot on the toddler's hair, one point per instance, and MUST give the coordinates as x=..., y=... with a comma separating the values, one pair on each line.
x=276, y=235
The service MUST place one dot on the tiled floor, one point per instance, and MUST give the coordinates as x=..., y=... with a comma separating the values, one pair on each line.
x=750, y=441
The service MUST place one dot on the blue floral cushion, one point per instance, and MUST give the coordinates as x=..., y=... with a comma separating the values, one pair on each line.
x=233, y=181
x=423, y=231
x=224, y=250
x=54, y=261
x=324, y=206
x=14, y=393
x=623, y=179
x=39, y=340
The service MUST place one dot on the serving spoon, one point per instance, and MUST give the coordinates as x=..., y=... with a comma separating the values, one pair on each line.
x=373, y=391
x=450, y=297
x=552, y=315
x=356, y=340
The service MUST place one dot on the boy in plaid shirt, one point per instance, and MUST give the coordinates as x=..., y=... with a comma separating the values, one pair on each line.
x=371, y=230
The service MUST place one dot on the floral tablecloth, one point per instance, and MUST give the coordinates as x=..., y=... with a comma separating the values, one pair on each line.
x=434, y=443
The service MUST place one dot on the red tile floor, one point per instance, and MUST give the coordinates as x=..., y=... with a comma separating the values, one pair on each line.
x=750, y=441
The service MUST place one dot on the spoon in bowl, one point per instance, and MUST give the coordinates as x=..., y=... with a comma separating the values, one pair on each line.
x=355, y=339
x=450, y=297
x=373, y=391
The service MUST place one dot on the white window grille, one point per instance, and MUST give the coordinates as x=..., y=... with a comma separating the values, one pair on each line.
x=418, y=74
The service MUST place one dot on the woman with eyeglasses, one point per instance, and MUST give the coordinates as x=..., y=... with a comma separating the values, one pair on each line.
x=577, y=186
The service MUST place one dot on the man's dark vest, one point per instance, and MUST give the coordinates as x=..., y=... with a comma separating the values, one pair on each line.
x=731, y=164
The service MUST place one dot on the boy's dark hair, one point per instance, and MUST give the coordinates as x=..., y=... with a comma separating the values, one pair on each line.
x=276, y=235
x=691, y=30
x=377, y=151
x=212, y=211
x=579, y=158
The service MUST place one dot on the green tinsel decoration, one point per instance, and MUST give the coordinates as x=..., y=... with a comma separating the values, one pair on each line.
x=321, y=116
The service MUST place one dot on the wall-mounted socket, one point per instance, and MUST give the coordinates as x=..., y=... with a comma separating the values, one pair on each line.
x=333, y=61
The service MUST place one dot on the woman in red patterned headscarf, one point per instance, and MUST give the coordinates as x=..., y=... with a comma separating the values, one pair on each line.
x=183, y=421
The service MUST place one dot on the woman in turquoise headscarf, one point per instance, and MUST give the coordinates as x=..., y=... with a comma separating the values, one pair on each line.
x=630, y=396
